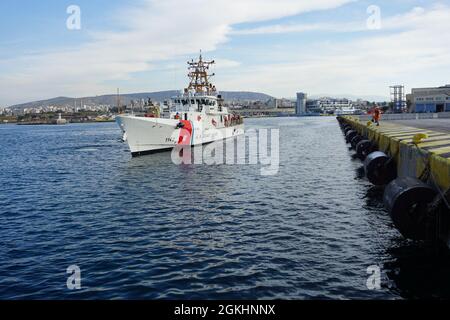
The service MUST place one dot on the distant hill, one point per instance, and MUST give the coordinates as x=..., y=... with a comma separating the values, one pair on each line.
x=126, y=99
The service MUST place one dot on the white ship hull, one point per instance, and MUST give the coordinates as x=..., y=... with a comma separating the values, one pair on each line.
x=150, y=135
x=197, y=116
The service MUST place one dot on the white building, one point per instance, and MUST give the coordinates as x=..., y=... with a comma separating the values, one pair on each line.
x=430, y=99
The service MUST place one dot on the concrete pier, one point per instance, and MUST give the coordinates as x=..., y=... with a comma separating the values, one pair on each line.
x=441, y=125
x=411, y=158
x=395, y=137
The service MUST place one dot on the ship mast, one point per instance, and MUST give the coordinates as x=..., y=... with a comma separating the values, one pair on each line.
x=199, y=77
x=118, y=101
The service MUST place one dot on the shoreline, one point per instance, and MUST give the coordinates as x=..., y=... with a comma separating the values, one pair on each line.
x=52, y=124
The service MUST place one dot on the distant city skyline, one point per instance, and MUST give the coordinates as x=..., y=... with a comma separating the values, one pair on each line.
x=277, y=47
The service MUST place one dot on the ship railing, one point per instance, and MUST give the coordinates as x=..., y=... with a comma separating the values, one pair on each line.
x=233, y=120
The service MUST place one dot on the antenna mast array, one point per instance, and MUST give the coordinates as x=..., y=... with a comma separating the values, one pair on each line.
x=398, y=98
x=199, y=78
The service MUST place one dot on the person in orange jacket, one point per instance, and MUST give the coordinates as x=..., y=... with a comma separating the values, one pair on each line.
x=376, y=115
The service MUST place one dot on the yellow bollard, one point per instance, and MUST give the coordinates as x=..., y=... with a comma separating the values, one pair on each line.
x=419, y=137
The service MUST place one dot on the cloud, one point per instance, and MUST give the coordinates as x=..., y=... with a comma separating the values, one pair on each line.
x=414, y=18
x=416, y=52
x=152, y=31
x=299, y=28
x=411, y=48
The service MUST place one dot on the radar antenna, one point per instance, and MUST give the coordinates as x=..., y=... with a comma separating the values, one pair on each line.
x=199, y=77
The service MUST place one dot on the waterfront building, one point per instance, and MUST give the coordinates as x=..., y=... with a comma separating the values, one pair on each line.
x=333, y=104
x=300, y=107
x=313, y=106
x=328, y=105
x=285, y=103
x=430, y=99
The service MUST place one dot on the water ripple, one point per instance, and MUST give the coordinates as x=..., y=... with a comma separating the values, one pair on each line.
x=146, y=229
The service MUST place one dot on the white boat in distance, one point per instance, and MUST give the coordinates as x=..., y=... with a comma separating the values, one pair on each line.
x=196, y=117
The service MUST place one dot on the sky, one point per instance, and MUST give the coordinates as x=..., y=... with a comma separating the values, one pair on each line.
x=278, y=47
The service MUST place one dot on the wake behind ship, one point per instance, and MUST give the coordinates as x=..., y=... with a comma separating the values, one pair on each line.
x=195, y=117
